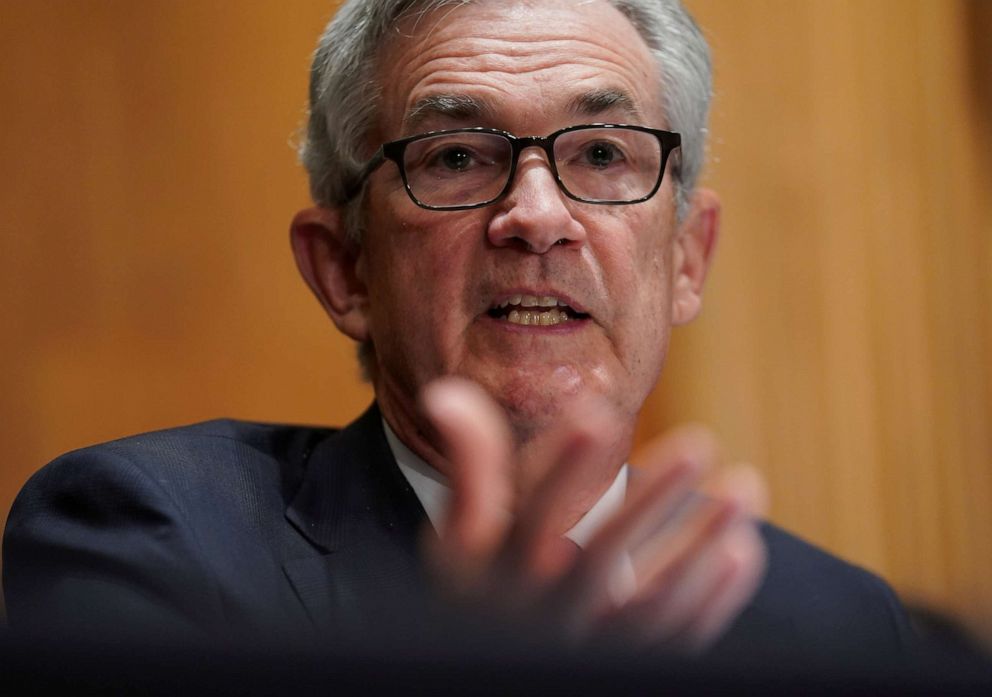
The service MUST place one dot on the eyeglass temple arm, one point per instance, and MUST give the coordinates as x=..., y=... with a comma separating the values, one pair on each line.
x=372, y=165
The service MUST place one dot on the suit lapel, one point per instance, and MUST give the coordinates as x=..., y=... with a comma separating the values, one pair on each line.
x=357, y=509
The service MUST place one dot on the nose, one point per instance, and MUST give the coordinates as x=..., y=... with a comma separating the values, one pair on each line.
x=533, y=214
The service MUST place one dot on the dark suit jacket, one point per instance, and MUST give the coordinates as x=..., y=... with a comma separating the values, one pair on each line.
x=283, y=530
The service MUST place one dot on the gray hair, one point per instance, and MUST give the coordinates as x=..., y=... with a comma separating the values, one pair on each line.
x=344, y=96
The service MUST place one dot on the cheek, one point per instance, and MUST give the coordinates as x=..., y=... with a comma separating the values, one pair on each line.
x=640, y=264
x=655, y=295
x=654, y=257
x=637, y=263
x=417, y=275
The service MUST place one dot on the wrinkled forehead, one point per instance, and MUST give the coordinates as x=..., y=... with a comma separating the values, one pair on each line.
x=481, y=62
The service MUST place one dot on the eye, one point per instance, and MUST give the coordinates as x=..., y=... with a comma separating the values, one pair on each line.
x=453, y=155
x=454, y=158
x=601, y=154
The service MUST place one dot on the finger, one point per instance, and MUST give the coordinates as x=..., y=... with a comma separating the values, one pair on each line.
x=685, y=568
x=580, y=453
x=697, y=576
x=673, y=555
x=736, y=493
x=743, y=483
x=744, y=558
x=674, y=464
x=477, y=446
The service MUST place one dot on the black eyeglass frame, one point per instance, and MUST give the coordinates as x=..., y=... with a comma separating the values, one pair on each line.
x=395, y=149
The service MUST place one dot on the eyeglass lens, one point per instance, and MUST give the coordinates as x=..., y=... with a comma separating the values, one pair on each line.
x=593, y=164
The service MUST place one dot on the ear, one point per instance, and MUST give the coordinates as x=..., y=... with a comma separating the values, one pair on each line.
x=693, y=252
x=330, y=263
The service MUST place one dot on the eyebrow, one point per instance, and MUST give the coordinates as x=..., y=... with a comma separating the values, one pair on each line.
x=462, y=107
x=451, y=106
x=598, y=101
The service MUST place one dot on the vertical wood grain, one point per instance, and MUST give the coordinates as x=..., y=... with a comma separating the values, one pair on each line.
x=845, y=342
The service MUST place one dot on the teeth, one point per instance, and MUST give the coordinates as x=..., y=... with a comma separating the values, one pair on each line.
x=523, y=310
x=531, y=301
x=543, y=319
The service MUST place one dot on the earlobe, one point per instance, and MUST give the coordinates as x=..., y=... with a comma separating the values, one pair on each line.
x=693, y=252
x=329, y=263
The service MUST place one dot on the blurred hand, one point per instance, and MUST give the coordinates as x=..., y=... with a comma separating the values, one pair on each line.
x=688, y=531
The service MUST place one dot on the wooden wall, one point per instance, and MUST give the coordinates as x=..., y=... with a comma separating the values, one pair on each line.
x=148, y=179
x=846, y=343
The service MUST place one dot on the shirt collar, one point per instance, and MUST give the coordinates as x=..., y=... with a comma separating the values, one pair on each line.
x=432, y=490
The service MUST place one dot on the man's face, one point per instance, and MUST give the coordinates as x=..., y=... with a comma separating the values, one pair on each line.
x=438, y=281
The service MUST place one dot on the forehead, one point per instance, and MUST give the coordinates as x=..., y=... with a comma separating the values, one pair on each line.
x=496, y=61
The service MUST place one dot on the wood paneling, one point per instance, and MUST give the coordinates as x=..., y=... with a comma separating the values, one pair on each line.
x=845, y=343
x=148, y=179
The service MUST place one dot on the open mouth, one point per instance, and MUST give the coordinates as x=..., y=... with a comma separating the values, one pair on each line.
x=535, y=310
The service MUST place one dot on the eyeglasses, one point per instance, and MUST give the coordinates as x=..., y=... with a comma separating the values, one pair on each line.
x=610, y=164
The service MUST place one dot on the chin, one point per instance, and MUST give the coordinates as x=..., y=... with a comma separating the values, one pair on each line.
x=535, y=400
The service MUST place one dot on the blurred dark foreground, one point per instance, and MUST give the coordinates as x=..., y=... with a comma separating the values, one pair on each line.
x=479, y=665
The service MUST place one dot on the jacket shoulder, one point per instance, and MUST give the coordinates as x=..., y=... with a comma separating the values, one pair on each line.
x=281, y=441
x=825, y=582
x=818, y=606
x=236, y=472
x=181, y=456
x=155, y=525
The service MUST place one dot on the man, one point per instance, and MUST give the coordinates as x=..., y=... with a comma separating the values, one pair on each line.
x=507, y=222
